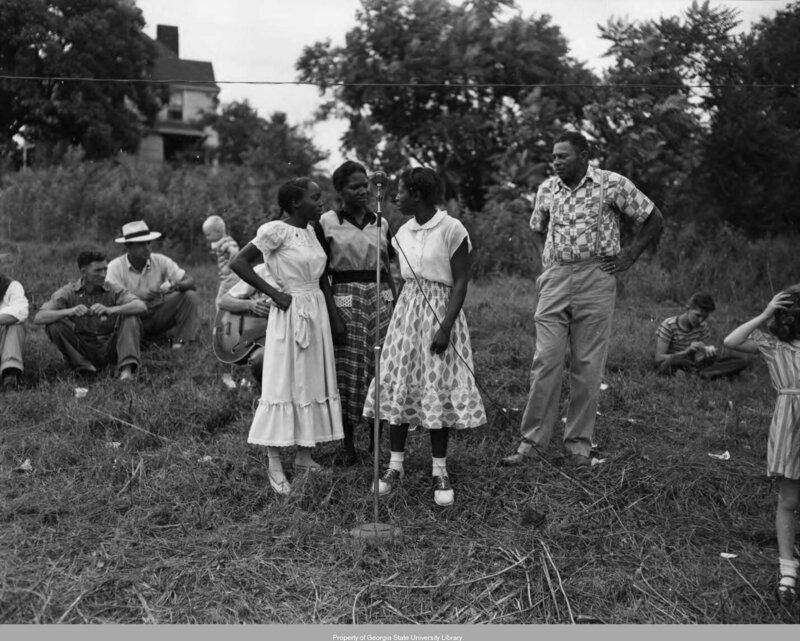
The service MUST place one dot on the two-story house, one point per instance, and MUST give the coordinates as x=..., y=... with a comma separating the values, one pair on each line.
x=176, y=134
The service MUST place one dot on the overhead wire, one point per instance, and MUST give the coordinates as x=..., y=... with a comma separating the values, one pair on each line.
x=427, y=85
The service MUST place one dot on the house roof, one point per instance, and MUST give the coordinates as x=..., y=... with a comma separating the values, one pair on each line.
x=178, y=128
x=169, y=66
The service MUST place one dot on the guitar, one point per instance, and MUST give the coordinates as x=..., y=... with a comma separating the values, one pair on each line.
x=236, y=335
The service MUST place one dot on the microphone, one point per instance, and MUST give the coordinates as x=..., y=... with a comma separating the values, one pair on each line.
x=380, y=180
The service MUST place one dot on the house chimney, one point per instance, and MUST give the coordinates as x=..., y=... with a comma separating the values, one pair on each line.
x=168, y=36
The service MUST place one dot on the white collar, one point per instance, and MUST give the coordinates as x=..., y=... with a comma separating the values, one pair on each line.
x=131, y=267
x=413, y=225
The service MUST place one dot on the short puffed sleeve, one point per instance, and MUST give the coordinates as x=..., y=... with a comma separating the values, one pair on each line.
x=454, y=236
x=765, y=342
x=270, y=236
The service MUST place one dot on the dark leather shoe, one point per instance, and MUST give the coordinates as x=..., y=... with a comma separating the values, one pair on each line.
x=346, y=458
x=10, y=383
x=579, y=460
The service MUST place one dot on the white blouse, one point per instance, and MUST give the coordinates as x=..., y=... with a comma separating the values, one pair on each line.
x=426, y=250
x=14, y=302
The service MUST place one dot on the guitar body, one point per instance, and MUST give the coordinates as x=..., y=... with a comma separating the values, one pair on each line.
x=236, y=335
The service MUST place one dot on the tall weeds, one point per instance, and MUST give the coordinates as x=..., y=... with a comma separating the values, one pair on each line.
x=85, y=200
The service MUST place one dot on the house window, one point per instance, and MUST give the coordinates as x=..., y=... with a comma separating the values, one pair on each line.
x=175, y=107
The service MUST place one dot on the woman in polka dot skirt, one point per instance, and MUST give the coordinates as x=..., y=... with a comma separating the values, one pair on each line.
x=426, y=362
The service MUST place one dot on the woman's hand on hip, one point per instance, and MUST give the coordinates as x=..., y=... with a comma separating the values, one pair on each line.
x=282, y=301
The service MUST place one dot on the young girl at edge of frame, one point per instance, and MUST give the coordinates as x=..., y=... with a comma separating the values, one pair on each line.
x=780, y=348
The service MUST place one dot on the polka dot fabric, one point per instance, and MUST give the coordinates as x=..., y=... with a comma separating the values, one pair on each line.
x=418, y=387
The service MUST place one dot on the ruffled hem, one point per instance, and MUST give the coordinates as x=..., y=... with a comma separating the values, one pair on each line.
x=301, y=404
x=297, y=443
x=311, y=423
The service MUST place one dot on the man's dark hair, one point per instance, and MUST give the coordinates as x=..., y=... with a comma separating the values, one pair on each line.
x=426, y=183
x=702, y=301
x=90, y=256
x=574, y=138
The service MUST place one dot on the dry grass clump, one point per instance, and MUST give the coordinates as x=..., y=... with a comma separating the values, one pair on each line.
x=145, y=504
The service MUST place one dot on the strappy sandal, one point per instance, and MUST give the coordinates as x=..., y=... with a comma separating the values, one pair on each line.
x=787, y=590
x=282, y=488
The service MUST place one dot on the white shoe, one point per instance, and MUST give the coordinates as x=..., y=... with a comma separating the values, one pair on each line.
x=442, y=491
x=387, y=481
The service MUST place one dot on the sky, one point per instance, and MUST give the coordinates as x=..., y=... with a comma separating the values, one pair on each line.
x=258, y=40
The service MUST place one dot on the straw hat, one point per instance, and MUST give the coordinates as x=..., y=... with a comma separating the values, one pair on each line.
x=137, y=232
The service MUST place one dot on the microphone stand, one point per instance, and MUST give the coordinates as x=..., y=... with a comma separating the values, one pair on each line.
x=376, y=529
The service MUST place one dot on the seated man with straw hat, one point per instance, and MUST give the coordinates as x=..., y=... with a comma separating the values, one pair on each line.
x=94, y=323
x=166, y=289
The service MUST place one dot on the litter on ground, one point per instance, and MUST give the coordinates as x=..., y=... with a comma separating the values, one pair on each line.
x=227, y=381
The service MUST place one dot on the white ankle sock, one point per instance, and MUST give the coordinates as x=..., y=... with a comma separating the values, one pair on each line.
x=439, y=466
x=396, y=461
x=788, y=569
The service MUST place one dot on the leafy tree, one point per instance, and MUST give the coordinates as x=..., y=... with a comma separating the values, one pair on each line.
x=750, y=177
x=276, y=149
x=651, y=124
x=82, y=39
x=447, y=86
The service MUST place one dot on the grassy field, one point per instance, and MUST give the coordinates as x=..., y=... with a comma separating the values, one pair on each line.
x=143, y=502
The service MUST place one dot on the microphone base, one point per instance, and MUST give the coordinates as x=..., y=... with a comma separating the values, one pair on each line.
x=376, y=532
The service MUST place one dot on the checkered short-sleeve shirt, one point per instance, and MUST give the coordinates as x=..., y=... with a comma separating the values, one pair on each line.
x=570, y=217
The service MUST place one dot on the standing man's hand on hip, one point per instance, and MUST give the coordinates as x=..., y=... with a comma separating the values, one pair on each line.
x=619, y=263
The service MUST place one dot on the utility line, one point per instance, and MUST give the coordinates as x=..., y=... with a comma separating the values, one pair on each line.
x=448, y=85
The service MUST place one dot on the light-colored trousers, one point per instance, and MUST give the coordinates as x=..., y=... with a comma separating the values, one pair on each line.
x=179, y=310
x=12, y=339
x=575, y=307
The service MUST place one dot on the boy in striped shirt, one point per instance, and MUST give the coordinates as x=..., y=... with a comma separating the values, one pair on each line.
x=682, y=343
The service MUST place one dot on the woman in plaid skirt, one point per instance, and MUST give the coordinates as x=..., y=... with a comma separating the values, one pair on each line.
x=350, y=237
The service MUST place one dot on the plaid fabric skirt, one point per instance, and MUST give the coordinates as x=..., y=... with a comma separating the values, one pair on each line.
x=419, y=387
x=355, y=361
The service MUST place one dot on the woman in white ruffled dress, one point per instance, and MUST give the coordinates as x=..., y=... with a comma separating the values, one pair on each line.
x=299, y=404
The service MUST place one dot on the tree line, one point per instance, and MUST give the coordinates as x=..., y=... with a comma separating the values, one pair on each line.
x=705, y=120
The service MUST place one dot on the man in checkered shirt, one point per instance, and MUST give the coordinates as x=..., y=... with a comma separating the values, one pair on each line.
x=579, y=244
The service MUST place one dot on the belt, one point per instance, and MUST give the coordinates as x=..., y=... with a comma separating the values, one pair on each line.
x=580, y=261
x=357, y=276
x=789, y=391
x=303, y=288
